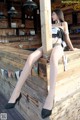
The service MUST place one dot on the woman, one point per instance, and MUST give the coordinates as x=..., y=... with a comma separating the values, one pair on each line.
x=58, y=26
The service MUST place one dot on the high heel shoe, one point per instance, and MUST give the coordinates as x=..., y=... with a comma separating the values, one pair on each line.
x=45, y=113
x=12, y=105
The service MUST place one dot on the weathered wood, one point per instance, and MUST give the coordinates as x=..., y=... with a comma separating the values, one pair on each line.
x=18, y=57
x=31, y=102
x=45, y=12
x=11, y=115
x=34, y=91
x=23, y=44
x=68, y=109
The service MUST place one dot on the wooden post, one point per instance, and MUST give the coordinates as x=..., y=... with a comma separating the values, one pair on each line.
x=46, y=36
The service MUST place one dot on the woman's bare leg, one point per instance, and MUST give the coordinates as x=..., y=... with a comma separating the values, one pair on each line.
x=25, y=73
x=56, y=54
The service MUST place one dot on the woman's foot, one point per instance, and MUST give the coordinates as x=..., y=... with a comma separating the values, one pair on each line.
x=45, y=113
x=14, y=96
x=47, y=108
x=10, y=105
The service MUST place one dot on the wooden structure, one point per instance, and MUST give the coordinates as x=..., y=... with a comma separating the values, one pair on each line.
x=34, y=91
x=19, y=28
x=45, y=10
x=8, y=114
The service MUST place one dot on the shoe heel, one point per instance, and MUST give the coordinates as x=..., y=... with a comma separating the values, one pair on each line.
x=12, y=105
x=18, y=102
x=18, y=99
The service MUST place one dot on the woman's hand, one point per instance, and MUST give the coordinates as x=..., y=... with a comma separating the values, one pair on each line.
x=74, y=49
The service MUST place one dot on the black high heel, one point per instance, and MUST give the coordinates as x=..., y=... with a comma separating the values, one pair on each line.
x=12, y=105
x=45, y=113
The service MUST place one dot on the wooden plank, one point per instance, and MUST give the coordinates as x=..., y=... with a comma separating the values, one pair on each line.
x=28, y=106
x=11, y=115
x=17, y=59
x=24, y=53
x=35, y=89
x=16, y=64
x=45, y=11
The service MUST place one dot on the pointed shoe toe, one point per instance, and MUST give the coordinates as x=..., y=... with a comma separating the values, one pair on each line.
x=45, y=113
x=10, y=105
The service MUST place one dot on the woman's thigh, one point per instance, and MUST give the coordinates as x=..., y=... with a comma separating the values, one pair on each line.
x=36, y=54
x=57, y=52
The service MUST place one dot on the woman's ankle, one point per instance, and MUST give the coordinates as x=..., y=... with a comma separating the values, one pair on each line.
x=13, y=97
x=49, y=103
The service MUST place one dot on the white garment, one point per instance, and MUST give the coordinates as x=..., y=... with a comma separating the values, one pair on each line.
x=55, y=30
x=56, y=39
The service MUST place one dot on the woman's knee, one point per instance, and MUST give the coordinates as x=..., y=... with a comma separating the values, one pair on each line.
x=35, y=55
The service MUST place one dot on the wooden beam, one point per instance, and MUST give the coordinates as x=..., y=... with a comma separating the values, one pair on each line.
x=45, y=12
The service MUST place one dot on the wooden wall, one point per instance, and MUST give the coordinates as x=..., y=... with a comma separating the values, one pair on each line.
x=19, y=34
